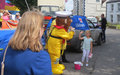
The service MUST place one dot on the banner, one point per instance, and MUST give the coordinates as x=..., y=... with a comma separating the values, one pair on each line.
x=79, y=23
x=2, y=4
x=69, y=5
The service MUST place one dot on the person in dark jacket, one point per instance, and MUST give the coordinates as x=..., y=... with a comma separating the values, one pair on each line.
x=103, y=26
x=25, y=54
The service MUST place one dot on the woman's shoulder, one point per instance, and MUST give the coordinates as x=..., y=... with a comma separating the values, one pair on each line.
x=41, y=54
x=28, y=52
x=29, y=55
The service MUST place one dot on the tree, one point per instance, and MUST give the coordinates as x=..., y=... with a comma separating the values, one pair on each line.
x=22, y=5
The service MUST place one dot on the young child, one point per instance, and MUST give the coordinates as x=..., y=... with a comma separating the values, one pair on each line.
x=87, y=46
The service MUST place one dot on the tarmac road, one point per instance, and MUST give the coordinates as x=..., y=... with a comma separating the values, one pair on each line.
x=105, y=61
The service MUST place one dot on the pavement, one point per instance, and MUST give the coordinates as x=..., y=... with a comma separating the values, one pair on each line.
x=105, y=61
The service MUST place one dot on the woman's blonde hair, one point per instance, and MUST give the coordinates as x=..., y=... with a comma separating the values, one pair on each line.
x=27, y=34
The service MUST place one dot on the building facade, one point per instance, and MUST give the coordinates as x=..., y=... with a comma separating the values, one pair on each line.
x=113, y=11
x=78, y=7
x=95, y=7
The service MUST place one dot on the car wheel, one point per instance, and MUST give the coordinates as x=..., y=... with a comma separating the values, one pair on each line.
x=99, y=41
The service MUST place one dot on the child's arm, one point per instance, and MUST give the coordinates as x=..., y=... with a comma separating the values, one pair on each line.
x=81, y=38
x=91, y=47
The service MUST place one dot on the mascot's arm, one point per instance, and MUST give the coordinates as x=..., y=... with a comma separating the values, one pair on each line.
x=63, y=34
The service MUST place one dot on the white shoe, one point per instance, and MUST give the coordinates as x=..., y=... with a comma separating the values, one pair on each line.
x=86, y=64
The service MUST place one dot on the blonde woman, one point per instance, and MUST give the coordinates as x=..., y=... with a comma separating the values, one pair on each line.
x=25, y=54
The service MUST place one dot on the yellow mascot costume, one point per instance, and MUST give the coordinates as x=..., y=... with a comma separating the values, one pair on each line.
x=57, y=39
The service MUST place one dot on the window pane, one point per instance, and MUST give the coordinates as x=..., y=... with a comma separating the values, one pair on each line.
x=118, y=6
x=97, y=0
x=118, y=18
x=90, y=24
x=53, y=10
x=112, y=18
x=45, y=10
x=112, y=7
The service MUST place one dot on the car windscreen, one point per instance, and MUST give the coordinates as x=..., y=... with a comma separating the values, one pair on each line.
x=92, y=19
x=49, y=10
x=90, y=24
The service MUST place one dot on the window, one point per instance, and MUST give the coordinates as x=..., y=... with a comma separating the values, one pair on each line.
x=118, y=18
x=45, y=10
x=49, y=10
x=118, y=6
x=53, y=10
x=90, y=24
x=111, y=18
x=97, y=0
x=112, y=7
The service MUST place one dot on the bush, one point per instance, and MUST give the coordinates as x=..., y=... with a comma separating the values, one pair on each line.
x=117, y=26
x=109, y=24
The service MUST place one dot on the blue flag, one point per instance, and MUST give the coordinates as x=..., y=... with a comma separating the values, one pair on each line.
x=6, y=35
x=49, y=23
x=79, y=23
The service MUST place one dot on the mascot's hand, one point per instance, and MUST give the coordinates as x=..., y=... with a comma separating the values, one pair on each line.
x=71, y=28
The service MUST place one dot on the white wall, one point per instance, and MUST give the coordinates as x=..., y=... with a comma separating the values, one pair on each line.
x=115, y=12
x=93, y=8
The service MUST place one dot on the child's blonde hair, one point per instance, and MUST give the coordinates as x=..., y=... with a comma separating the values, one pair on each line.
x=88, y=31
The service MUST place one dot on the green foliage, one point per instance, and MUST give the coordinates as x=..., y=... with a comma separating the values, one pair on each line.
x=109, y=24
x=117, y=26
x=22, y=5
